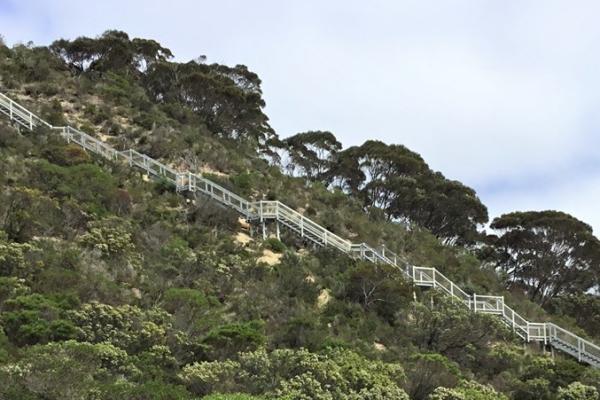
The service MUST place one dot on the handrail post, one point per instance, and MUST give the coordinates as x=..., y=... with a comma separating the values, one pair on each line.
x=30, y=121
x=10, y=108
x=513, y=320
x=475, y=302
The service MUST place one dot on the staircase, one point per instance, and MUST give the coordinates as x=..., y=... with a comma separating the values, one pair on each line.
x=261, y=212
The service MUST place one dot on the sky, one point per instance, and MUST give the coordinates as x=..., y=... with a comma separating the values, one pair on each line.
x=501, y=95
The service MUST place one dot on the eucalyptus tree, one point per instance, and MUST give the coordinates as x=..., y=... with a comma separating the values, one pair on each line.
x=546, y=253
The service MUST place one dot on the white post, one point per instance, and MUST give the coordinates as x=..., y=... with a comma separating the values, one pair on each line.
x=475, y=302
x=31, y=121
x=10, y=109
x=278, y=233
x=513, y=321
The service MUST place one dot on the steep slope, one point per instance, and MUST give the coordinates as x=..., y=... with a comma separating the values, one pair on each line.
x=282, y=215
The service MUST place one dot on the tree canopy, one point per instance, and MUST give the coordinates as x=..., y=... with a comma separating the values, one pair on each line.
x=399, y=182
x=546, y=253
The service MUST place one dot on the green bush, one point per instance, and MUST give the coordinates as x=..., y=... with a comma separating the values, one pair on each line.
x=33, y=319
x=227, y=340
x=233, y=396
x=275, y=245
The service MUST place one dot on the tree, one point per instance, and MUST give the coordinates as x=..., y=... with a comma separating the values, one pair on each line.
x=467, y=390
x=451, y=330
x=380, y=289
x=126, y=327
x=399, y=182
x=584, y=308
x=578, y=391
x=312, y=152
x=546, y=253
x=447, y=208
x=335, y=374
x=227, y=340
x=32, y=319
x=428, y=371
x=67, y=370
x=14, y=258
x=112, y=51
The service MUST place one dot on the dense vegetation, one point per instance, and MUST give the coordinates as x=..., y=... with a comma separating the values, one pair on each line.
x=112, y=286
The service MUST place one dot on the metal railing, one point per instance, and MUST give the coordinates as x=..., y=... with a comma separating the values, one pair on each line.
x=548, y=333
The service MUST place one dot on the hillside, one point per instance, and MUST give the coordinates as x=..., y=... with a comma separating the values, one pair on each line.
x=114, y=286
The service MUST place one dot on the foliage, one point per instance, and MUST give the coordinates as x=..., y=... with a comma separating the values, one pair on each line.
x=467, y=390
x=226, y=340
x=67, y=370
x=111, y=51
x=399, y=182
x=127, y=327
x=275, y=244
x=578, y=391
x=583, y=307
x=32, y=319
x=334, y=374
x=312, y=153
x=547, y=253
x=14, y=257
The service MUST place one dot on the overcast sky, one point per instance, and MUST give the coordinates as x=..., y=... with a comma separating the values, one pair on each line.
x=501, y=95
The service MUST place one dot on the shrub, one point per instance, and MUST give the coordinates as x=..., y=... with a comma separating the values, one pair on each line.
x=66, y=155
x=228, y=340
x=275, y=245
x=33, y=319
x=126, y=327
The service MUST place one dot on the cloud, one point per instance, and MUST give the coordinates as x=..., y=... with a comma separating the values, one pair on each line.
x=499, y=95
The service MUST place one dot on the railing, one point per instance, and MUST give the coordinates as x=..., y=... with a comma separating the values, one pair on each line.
x=20, y=114
x=548, y=333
